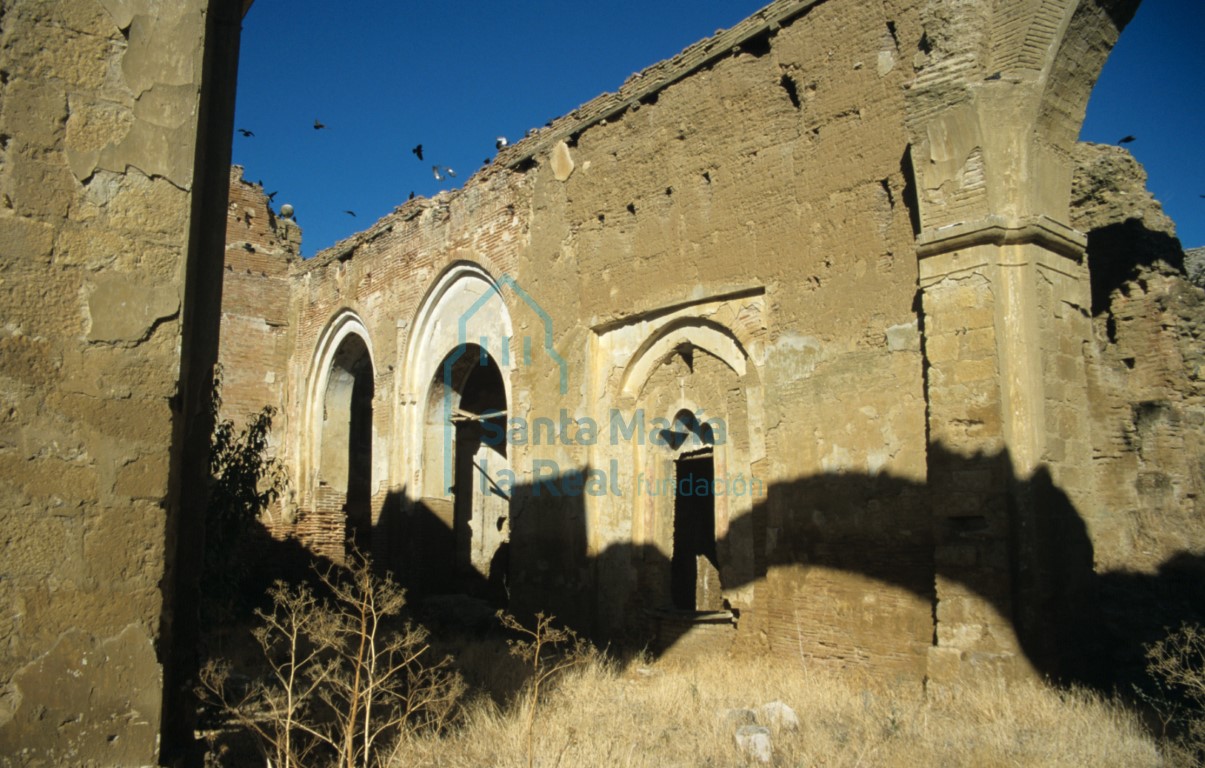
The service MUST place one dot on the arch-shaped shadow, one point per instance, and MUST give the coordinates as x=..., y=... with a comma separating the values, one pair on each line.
x=1023, y=549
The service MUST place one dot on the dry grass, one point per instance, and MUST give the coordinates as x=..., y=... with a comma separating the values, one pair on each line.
x=668, y=714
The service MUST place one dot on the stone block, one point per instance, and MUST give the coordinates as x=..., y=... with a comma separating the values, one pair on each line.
x=123, y=547
x=43, y=189
x=903, y=338
x=50, y=481
x=143, y=478
x=35, y=111
x=125, y=307
x=101, y=694
x=754, y=742
x=25, y=244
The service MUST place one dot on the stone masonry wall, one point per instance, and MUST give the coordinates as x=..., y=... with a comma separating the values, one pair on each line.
x=1147, y=396
x=935, y=456
x=1146, y=369
x=667, y=214
x=100, y=124
x=735, y=232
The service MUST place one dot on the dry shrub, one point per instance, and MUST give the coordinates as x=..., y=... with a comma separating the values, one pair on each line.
x=667, y=714
x=548, y=651
x=1176, y=666
x=342, y=682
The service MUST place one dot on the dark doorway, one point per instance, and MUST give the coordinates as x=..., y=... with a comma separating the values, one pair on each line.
x=346, y=459
x=694, y=562
x=480, y=507
x=359, y=459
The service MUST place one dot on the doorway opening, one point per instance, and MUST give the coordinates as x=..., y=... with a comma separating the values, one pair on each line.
x=346, y=453
x=480, y=504
x=694, y=566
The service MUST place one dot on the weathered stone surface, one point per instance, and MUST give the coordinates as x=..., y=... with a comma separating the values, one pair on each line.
x=778, y=715
x=91, y=267
x=754, y=742
x=561, y=161
x=102, y=697
x=126, y=307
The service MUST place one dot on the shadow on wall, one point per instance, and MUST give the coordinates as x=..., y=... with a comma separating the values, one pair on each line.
x=1119, y=253
x=1016, y=544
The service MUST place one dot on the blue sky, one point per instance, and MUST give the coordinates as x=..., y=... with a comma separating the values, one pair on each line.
x=384, y=76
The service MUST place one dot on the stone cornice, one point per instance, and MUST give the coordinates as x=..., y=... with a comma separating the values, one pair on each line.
x=999, y=231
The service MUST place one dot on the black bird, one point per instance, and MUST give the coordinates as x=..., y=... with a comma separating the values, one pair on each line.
x=412, y=196
x=270, y=195
x=994, y=77
x=418, y=151
x=350, y=213
x=486, y=161
x=1125, y=139
x=318, y=126
x=245, y=132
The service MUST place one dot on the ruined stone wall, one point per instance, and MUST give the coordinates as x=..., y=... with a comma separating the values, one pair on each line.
x=102, y=110
x=735, y=231
x=818, y=230
x=255, y=340
x=381, y=277
x=746, y=236
x=1146, y=378
x=680, y=214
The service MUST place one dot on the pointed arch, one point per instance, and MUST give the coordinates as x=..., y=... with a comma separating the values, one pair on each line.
x=464, y=306
x=337, y=434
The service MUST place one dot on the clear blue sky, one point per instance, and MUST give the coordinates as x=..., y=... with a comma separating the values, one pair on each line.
x=385, y=75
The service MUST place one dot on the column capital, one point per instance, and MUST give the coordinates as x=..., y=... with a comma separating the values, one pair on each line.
x=1001, y=231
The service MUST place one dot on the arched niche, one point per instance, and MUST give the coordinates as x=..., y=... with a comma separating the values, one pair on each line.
x=456, y=390
x=338, y=441
x=695, y=389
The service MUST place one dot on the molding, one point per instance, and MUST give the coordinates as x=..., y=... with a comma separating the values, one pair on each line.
x=652, y=313
x=1001, y=231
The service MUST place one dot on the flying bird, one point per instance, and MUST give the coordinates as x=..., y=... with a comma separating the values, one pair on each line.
x=500, y=142
x=245, y=132
x=350, y=213
x=1125, y=139
x=418, y=151
x=442, y=171
x=270, y=195
x=318, y=125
